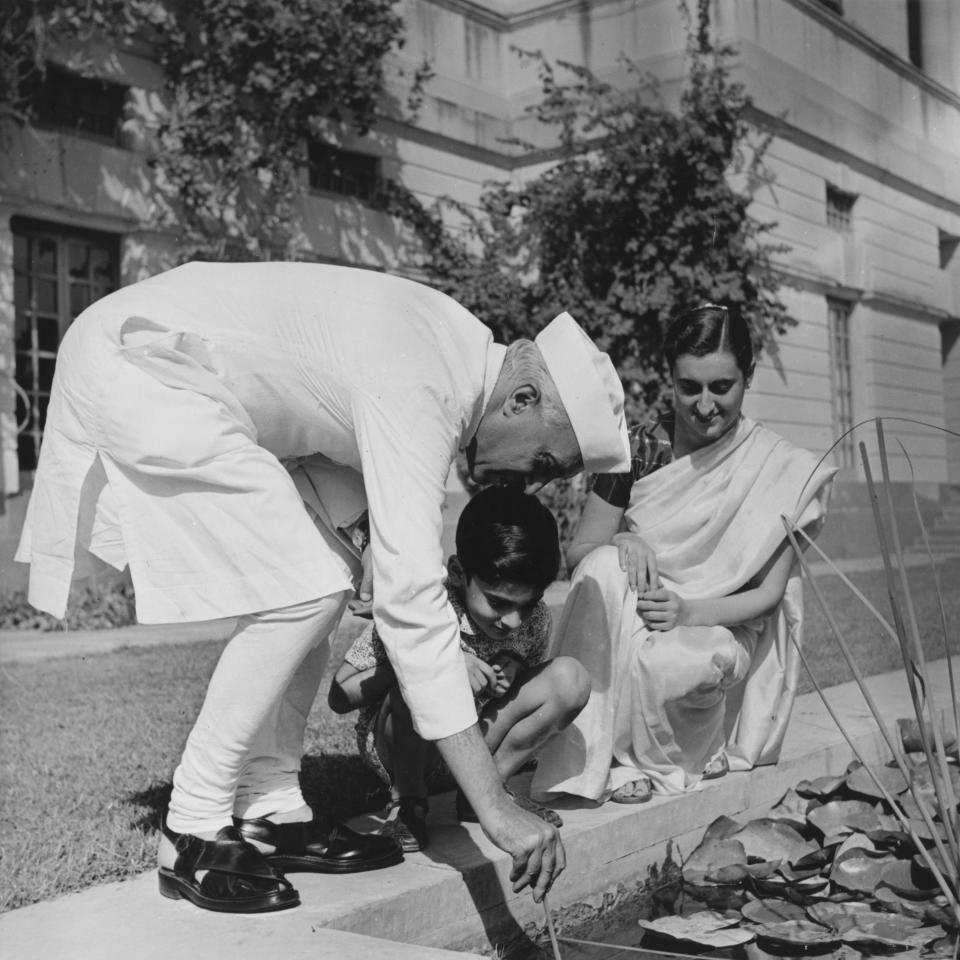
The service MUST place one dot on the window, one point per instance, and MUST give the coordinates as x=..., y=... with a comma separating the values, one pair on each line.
x=840, y=209
x=57, y=274
x=84, y=106
x=345, y=172
x=838, y=317
x=914, y=33
x=948, y=244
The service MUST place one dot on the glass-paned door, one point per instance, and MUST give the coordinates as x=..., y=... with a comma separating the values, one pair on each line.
x=57, y=274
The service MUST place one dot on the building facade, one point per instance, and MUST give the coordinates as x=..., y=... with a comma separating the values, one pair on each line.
x=861, y=99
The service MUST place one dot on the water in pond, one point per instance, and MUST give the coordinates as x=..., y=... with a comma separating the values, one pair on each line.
x=617, y=935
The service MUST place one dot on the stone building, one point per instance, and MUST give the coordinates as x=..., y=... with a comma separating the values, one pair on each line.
x=861, y=97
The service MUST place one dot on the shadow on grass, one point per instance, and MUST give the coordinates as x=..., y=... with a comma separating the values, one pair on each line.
x=336, y=786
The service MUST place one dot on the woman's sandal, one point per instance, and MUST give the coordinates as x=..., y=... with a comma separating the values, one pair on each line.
x=238, y=878
x=466, y=814
x=637, y=791
x=407, y=823
x=718, y=766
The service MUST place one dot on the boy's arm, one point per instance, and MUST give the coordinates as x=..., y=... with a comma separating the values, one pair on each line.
x=352, y=687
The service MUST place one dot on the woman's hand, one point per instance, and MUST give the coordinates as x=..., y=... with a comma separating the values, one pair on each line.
x=662, y=609
x=638, y=561
x=482, y=676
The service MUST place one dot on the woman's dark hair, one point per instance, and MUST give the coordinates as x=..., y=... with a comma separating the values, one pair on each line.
x=504, y=534
x=710, y=329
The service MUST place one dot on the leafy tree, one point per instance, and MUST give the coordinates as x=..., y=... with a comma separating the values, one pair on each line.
x=248, y=84
x=644, y=212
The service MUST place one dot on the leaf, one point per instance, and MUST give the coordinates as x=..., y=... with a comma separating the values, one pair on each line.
x=860, y=842
x=836, y=915
x=706, y=927
x=820, y=787
x=710, y=857
x=842, y=817
x=770, y=910
x=860, y=781
x=858, y=873
x=792, y=808
x=796, y=933
x=889, y=929
x=906, y=879
x=910, y=735
x=721, y=828
x=769, y=840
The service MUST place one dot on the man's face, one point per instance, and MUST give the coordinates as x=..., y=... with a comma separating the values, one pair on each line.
x=523, y=451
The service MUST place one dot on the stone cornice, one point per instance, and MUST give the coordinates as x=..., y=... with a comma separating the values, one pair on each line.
x=854, y=35
x=486, y=14
x=819, y=283
x=825, y=148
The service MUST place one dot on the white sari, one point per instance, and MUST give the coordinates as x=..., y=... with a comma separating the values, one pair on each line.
x=665, y=702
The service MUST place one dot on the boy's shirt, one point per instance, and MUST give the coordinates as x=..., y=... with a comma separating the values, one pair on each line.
x=528, y=642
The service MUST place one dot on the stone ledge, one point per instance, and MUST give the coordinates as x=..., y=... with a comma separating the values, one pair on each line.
x=457, y=894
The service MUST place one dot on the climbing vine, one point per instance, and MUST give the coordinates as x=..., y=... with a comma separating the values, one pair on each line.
x=248, y=84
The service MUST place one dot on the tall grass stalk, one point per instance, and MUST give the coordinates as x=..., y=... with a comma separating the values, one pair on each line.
x=935, y=576
x=905, y=629
x=916, y=665
x=898, y=811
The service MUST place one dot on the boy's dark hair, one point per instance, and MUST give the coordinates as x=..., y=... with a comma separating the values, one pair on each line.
x=504, y=534
x=710, y=329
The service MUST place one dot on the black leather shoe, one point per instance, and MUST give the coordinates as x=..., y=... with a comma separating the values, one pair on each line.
x=312, y=847
x=237, y=877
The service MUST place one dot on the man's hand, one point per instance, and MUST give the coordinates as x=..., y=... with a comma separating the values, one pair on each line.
x=535, y=846
x=662, y=609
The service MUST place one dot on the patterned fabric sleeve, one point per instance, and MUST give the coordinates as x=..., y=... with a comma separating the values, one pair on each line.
x=651, y=449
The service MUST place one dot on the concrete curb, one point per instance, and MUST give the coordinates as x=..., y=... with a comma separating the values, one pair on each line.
x=457, y=894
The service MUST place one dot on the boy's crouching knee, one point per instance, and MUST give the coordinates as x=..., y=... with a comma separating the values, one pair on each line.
x=571, y=684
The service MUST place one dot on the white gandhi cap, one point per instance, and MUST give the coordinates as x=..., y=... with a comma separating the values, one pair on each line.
x=591, y=392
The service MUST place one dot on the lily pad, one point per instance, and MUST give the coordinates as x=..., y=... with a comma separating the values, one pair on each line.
x=858, y=873
x=860, y=781
x=771, y=910
x=910, y=735
x=894, y=903
x=721, y=828
x=792, y=809
x=842, y=817
x=796, y=933
x=706, y=927
x=836, y=915
x=889, y=929
x=773, y=840
x=821, y=786
x=860, y=842
x=710, y=857
x=907, y=879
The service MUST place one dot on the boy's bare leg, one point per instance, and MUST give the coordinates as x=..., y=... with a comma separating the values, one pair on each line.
x=402, y=751
x=542, y=702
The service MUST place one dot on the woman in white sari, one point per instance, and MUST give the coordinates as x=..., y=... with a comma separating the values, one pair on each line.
x=685, y=594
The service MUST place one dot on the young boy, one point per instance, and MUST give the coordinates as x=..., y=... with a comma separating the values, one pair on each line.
x=508, y=553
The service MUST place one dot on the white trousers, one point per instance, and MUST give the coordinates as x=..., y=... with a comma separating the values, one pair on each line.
x=242, y=757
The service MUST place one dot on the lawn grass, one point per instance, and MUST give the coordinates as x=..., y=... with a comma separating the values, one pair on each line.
x=89, y=743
